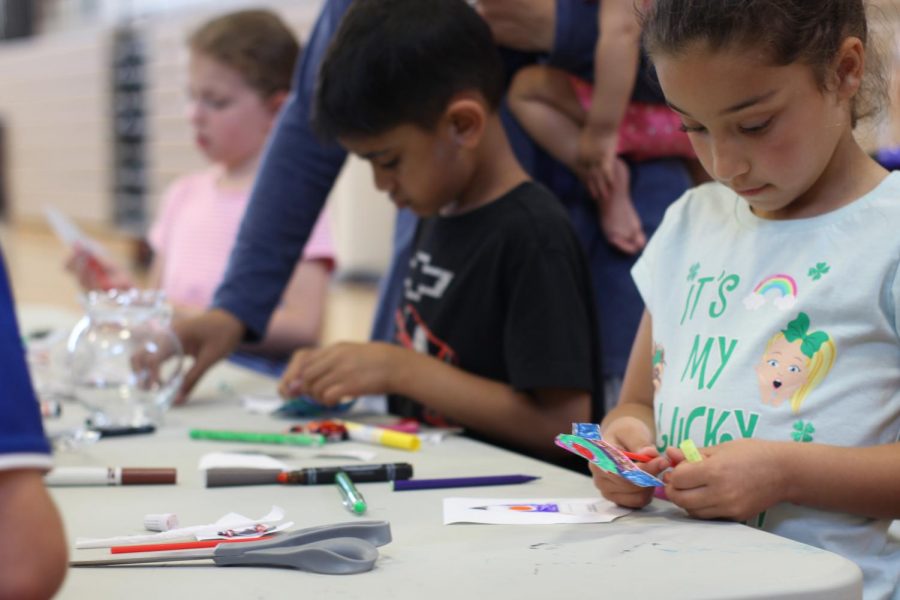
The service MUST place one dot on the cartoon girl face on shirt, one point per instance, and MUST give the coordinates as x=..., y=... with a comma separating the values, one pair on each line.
x=781, y=371
x=795, y=361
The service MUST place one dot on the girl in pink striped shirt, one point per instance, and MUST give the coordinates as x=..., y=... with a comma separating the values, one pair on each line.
x=239, y=75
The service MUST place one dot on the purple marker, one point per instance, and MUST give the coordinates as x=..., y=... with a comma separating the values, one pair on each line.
x=432, y=484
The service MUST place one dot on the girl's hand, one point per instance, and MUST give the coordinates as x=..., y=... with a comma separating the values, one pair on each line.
x=630, y=434
x=342, y=370
x=736, y=480
x=94, y=273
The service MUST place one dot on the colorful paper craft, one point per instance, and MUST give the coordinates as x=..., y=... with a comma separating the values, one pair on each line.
x=586, y=442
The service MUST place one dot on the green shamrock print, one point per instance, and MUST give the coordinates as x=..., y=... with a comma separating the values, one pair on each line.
x=817, y=271
x=803, y=432
x=692, y=274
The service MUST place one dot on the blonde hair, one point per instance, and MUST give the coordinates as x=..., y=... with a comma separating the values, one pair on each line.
x=255, y=43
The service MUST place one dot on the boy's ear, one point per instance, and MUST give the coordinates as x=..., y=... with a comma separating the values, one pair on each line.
x=849, y=66
x=467, y=119
x=276, y=101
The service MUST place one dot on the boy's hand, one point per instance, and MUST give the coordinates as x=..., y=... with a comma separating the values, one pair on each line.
x=630, y=434
x=736, y=480
x=342, y=370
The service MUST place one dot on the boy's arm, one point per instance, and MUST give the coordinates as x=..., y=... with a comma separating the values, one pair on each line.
x=491, y=407
x=482, y=404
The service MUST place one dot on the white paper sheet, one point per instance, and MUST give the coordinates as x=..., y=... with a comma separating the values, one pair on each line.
x=273, y=521
x=240, y=460
x=530, y=511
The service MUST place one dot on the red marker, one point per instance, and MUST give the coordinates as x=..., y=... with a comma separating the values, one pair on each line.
x=179, y=545
x=638, y=457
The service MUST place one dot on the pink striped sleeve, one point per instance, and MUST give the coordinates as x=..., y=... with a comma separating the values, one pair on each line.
x=161, y=230
x=320, y=245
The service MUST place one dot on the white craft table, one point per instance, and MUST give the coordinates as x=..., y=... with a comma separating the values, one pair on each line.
x=657, y=552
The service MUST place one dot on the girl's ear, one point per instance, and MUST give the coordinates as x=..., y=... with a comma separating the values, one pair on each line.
x=849, y=66
x=466, y=118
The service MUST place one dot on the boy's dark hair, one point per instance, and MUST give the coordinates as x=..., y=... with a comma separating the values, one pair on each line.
x=806, y=31
x=395, y=62
x=255, y=43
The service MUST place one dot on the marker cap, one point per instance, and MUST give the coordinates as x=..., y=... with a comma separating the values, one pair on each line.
x=160, y=522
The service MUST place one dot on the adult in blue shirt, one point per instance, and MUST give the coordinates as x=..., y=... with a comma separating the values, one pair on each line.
x=33, y=552
x=299, y=171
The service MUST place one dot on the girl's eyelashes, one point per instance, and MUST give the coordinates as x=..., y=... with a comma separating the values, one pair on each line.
x=691, y=128
x=213, y=102
x=751, y=129
x=391, y=164
x=217, y=103
x=758, y=128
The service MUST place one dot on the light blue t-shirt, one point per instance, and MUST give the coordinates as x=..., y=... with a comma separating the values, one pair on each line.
x=782, y=330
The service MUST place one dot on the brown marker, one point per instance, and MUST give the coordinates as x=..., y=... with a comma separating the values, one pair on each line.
x=75, y=476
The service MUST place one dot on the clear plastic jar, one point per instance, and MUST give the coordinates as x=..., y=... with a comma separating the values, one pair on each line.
x=124, y=360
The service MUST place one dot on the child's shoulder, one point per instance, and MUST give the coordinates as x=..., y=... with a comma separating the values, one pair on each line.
x=196, y=180
x=189, y=188
x=707, y=201
x=531, y=201
x=532, y=212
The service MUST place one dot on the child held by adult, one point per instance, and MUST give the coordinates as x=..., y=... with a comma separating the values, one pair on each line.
x=587, y=127
x=240, y=72
x=773, y=294
x=496, y=326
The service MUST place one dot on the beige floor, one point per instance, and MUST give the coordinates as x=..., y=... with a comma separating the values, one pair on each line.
x=35, y=257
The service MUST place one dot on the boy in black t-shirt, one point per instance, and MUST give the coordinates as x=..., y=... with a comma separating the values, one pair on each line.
x=496, y=330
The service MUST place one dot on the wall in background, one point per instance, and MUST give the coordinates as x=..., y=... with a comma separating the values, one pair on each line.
x=55, y=105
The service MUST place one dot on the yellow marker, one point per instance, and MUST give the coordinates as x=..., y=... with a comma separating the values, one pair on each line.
x=379, y=435
x=690, y=451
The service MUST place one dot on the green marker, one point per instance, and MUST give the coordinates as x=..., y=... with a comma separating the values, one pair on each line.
x=293, y=439
x=690, y=451
x=353, y=500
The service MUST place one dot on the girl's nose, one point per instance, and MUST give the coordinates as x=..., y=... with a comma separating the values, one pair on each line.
x=728, y=160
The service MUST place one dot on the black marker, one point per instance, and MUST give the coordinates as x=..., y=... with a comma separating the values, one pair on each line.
x=119, y=430
x=221, y=477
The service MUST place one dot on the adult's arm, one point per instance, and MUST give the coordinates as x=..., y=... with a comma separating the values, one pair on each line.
x=562, y=32
x=297, y=173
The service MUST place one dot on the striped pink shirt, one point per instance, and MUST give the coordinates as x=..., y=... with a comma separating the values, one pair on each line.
x=196, y=229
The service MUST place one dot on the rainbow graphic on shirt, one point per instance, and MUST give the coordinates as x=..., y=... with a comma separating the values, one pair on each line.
x=780, y=288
